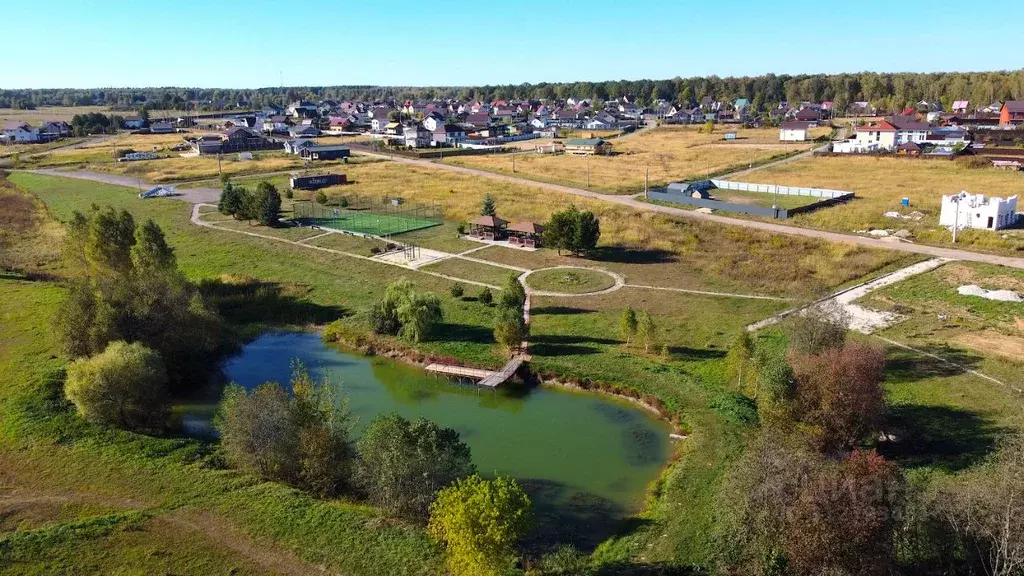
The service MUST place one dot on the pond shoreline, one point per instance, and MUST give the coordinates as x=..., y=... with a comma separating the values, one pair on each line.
x=371, y=346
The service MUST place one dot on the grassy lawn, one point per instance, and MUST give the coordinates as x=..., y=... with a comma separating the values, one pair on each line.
x=138, y=486
x=29, y=149
x=570, y=280
x=662, y=250
x=669, y=154
x=347, y=243
x=50, y=113
x=758, y=199
x=445, y=238
x=880, y=183
x=467, y=270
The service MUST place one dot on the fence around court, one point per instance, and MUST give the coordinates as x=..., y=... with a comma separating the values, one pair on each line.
x=780, y=190
x=375, y=216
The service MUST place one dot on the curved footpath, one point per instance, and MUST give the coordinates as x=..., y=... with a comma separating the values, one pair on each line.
x=771, y=227
x=208, y=195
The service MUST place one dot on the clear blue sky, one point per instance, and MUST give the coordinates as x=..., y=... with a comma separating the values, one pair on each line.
x=246, y=44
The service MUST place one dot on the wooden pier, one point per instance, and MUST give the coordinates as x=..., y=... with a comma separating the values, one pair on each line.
x=488, y=378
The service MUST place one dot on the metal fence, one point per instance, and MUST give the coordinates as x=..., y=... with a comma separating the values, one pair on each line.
x=374, y=216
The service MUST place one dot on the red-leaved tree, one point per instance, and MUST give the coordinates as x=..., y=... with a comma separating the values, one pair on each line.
x=839, y=392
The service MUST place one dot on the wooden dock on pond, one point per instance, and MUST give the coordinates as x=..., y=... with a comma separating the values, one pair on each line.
x=488, y=378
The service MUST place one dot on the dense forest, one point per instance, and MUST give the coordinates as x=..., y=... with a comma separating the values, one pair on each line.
x=884, y=91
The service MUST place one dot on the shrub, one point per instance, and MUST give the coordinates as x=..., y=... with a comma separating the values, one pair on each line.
x=289, y=193
x=462, y=228
x=301, y=439
x=375, y=250
x=343, y=202
x=456, y=290
x=404, y=311
x=321, y=198
x=123, y=386
x=973, y=162
x=403, y=464
x=486, y=297
x=817, y=329
x=479, y=521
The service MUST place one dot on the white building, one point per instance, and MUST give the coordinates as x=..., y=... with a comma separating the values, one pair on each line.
x=794, y=131
x=20, y=132
x=885, y=135
x=965, y=210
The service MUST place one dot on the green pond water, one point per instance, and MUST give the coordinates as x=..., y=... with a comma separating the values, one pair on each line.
x=585, y=459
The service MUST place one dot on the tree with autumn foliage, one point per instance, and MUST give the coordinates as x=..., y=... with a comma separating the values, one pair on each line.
x=787, y=509
x=839, y=392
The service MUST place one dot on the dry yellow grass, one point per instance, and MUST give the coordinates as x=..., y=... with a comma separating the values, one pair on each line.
x=661, y=251
x=48, y=113
x=204, y=167
x=669, y=153
x=880, y=183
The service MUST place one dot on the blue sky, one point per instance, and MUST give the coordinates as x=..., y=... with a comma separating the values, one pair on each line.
x=232, y=44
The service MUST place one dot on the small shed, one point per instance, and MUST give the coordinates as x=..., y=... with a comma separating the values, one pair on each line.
x=909, y=149
x=488, y=227
x=526, y=234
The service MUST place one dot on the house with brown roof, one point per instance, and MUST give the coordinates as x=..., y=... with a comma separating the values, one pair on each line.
x=525, y=234
x=487, y=227
x=1012, y=112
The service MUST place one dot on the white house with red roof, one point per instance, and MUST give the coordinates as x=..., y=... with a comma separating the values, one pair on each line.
x=886, y=134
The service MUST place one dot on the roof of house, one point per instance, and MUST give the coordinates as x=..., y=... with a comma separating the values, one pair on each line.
x=740, y=102
x=907, y=123
x=448, y=129
x=961, y=104
x=527, y=227
x=795, y=125
x=331, y=148
x=585, y=142
x=236, y=130
x=807, y=113
x=1014, y=106
x=14, y=125
x=882, y=126
x=488, y=221
x=909, y=146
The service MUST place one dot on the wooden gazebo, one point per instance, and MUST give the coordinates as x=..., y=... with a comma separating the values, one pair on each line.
x=487, y=227
x=526, y=234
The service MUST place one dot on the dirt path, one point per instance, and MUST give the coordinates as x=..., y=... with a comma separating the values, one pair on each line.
x=216, y=528
x=861, y=319
x=631, y=202
x=770, y=227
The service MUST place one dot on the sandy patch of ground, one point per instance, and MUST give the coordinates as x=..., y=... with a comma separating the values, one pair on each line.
x=992, y=342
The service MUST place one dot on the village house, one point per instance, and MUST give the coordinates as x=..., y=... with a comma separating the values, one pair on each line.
x=1011, y=113
x=587, y=146
x=416, y=136
x=448, y=135
x=885, y=135
x=479, y=119
x=20, y=132
x=304, y=131
x=316, y=152
x=161, y=128
x=602, y=121
x=793, y=131
x=296, y=146
x=55, y=130
x=379, y=120
x=976, y=211
x=432, y=120
x=133, y=122
x=275, y=124
x=960, y=107
x=302, y=109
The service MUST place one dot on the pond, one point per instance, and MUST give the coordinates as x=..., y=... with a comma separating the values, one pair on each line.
x=585, y=459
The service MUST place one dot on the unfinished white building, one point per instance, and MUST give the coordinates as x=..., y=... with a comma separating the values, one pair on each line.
x=965, y=210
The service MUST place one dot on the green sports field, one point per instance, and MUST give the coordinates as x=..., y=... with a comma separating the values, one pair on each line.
x=364, y=222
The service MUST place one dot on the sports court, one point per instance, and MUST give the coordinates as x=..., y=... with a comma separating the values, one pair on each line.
x=375, y=218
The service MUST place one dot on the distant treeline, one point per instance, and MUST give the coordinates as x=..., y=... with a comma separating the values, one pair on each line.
x=884, y=91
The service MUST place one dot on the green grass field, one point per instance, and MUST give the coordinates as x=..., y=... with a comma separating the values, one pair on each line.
x=142, y=504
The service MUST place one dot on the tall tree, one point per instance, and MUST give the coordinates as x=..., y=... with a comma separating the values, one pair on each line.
x=487, y=207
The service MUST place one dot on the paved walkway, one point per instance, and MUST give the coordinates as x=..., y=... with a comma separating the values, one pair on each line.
x=770, y=227
x=203, y=195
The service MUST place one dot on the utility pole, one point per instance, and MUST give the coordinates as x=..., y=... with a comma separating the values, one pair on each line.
x=513, y=162
x=647, y=177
